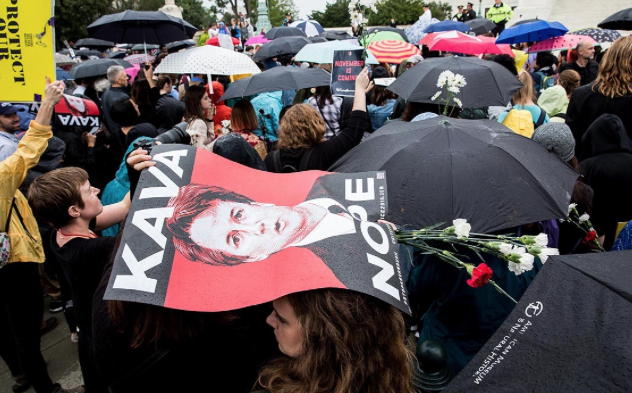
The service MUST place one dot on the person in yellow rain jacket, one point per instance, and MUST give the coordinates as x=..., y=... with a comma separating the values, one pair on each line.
x=500, y=14
x=21, y=304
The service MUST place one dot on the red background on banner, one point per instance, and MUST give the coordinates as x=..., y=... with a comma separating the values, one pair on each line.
x=291, y=270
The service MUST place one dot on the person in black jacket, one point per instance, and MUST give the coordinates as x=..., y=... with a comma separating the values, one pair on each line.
x=607, y=170
x=302, y=131
x=169, y=111
x=611, y=93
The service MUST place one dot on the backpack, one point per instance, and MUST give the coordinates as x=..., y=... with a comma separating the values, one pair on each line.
x=521, y=122
x=475, y=113
x=280, y=168
x=545, y=82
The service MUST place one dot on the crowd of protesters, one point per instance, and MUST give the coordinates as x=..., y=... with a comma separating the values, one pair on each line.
x=327, y=340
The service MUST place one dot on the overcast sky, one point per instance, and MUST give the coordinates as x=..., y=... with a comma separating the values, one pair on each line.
x=305, y=7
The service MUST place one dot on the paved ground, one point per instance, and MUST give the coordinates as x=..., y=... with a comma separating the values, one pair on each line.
x=59, y=353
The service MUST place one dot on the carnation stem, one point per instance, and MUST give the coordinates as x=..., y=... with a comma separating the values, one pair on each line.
x=499, y=289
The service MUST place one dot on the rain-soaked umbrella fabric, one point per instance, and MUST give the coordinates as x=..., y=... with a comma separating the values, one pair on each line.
x=285, y=31
x=447, y=25
x=137, y=27
x=91, y=68
x=208, y=59
x=488, y=83
x=599, y=35
x=621, y=20
x=567, y=41
x=281, y=46
x=441, y=169
x=93, y=43
x=416, y=31
x=176, y=46
x=570, y=332
x=401, y=32
x=530, y=32
x=311, y=28
x=316, y=40
x=88, y=52
x=320, y=53
x=481, y=25
x=117, y=55
x=277, y=79
x=336, y=35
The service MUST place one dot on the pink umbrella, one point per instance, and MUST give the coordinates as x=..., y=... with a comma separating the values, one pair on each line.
x=139, y=58
x=454, y=41
x=257, y=40
x=567, y=41
x=133, y=71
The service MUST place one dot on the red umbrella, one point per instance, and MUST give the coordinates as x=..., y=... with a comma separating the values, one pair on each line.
x=215, y=41
x=454, y=41
x=392, y=51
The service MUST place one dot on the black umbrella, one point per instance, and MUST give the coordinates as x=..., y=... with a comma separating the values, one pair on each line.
x=281, y=46
x=176, y=46
x=315, y=40
x=621, y=20
x=93, y=43
x=117, y=55
x=522, y=22
x=393, y=29
x=599, y=35
x=277, y=79
x=336, y=35
x=137, y=27
x=92, y=68
x=88, y=52
x=570, y=332
x=481, y=25
x=285, y=31
x=441, y=169
x=142, y=47
x=488, y=83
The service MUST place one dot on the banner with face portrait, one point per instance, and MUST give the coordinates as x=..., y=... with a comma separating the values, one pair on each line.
x=207, y=234
x=79, y=112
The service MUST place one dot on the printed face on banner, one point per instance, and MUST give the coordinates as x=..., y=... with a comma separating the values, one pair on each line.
x=74, y=111
x=198, y=239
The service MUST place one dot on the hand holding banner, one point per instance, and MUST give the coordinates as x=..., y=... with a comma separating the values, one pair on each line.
x=347, y=66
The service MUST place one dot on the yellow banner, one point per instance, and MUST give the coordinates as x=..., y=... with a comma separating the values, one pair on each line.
x=27, y=50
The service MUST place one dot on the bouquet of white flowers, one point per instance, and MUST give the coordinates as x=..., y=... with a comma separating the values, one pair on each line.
x=452, y=83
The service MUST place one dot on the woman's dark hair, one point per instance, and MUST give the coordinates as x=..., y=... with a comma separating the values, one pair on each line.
x=192, y=99
x=323, y=93
x=283, y=111
x=545, y=59
x=141, y=92
x=123, y=113
x=163, y=80
x=507, y=62
x=381, y=95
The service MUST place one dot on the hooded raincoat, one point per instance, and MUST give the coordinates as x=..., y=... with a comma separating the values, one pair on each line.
x=268, y=108
x=555, y=102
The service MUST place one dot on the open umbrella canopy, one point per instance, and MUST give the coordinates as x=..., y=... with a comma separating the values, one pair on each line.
x=570, y=332
x=336, y=35
x=488, y=83
x=142, y=47
x=401, y=32
x=568, y=41
x=215, y=41
x=621, y=20
x=63, y=59
x=321, y=53
x=599, y=35
x=258, y=39
x=523, y=21
x=311, y=28
x=88, y=52
x=117, y=55
x=93, y=43
x=381, y=36
x=137, y=27
x=441, y=169
x=392, y=52
x=277, y=79
x=208, y=59
x=178, y=45
x=530, y=32
x=92, y=68
x=281, y=46
x=285, y=31
x=139, y=58
x=416, y=31
x=480, y=26
x=453, y=41
x=447, y=25
x=315, y=40
x=63, y=75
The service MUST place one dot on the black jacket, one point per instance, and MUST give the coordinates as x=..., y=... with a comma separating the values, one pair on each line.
x=607, y=169
x=587, y=105
x=588, y=74
x=169, y=112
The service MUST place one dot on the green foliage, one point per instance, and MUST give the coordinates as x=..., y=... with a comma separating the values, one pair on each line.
x=335, y=15
x=440, y=10
x=277, y=10
x=194, y=12
x=73, y=16
x=405, y=12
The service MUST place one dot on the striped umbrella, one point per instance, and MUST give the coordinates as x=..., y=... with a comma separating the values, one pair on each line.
x=311, y=28
x=567, y=41
x=392, y=51
x=139, y=58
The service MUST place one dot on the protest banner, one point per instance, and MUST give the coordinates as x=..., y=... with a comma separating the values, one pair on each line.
x=346, y=67
x=26, y=49
x=75, y=111
x=196, y=239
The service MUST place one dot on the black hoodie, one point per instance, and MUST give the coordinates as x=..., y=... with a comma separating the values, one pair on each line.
x=608, y=170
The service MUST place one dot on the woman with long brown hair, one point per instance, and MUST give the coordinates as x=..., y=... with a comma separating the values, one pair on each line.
x=337, y=341
x=198, y=113
x=610, y=93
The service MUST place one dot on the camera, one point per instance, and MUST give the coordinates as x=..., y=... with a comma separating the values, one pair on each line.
x=177, y=135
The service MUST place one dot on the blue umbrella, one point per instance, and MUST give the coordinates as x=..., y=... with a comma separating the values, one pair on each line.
x=447, y=25
x=530, y=32
x=63, y=75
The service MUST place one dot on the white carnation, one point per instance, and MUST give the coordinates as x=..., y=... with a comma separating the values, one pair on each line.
x=571, y=207
x=541, y=240
x=584, y=217
x=544, y=254
x=505, y=248
x=458, y=102
x=461, y=227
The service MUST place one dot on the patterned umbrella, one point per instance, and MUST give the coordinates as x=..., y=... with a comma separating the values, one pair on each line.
x=599, y=35
x=208, y=59
x=381, y=36
x=139, y=58
x=392, y=51
x=311, y=28
x=257, y=40
x=567, y=41
x=416, y=31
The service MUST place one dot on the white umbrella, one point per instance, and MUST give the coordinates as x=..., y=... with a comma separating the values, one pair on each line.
x=323, y=52
x=311, y=28
x=209, y=60
x=63, y=59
